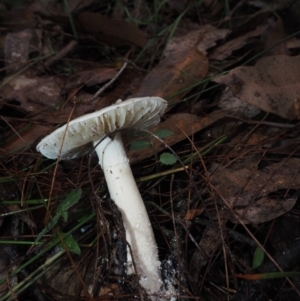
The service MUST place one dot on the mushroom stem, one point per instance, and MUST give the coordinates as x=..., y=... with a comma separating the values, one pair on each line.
x=124, y=191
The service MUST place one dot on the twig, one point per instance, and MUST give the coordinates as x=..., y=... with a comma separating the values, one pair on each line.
x=62, y=53
x=103, y=88
x=110, y=82
x=275, y=124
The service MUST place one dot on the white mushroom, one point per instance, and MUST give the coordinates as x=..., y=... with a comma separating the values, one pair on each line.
x=71, y=141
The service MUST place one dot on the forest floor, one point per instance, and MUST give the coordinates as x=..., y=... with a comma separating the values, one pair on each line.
x=219, y=175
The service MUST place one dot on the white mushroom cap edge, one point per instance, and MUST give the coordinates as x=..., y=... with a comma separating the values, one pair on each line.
x=74, y=139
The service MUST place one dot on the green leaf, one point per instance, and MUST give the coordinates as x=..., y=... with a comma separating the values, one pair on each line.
x=139, y=144
x=163, y=133
x=71, y=244
x=258, y=257
x=48, y=227
x=167, y=159
x=65, y=215
x=71, y=199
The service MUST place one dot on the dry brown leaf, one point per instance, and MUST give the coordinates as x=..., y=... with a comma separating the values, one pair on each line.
x=247, y=192
x=242, y=25
x=182, y=125
x=210, y=37
x=224, y=51
x=16, y=49
x=113, y=32
x=205, y=37
x=108, y=290
x=183, y=67
x=27, y=135
x=34, y=94
x=172, y=77
x=272, y=85
x=90, y=77
x=275, y=36
x=192, y=213
x=235, y=106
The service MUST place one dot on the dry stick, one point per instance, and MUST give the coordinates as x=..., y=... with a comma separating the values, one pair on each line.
x=275, y=124
x=62, y=53
x=109, y=83
x=103, y=88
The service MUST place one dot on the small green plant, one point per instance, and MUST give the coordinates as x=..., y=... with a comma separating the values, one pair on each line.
x=167, y=159
x=143, y=144
x=258, y=257
x=71, y=244
x=62, y=211
x=139, y=144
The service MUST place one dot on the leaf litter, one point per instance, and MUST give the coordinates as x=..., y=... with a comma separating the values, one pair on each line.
x=230, y=76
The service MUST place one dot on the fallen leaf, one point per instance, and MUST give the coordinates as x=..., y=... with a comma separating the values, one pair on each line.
x=192, y=213
x=225, y=50
x=183, y=68
x=210, y=38
x=204, y=38
x=90, y=77
x=275, y=38
x=27, y=135
x=241, y=25
x=108, y=290
x=16, y=49
x=34, y=94
x=113, y=32
x=235, y=106
x=272, y=85
x=247, y=191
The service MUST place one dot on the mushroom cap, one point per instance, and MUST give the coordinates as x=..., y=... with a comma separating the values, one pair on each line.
x=75, y=138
